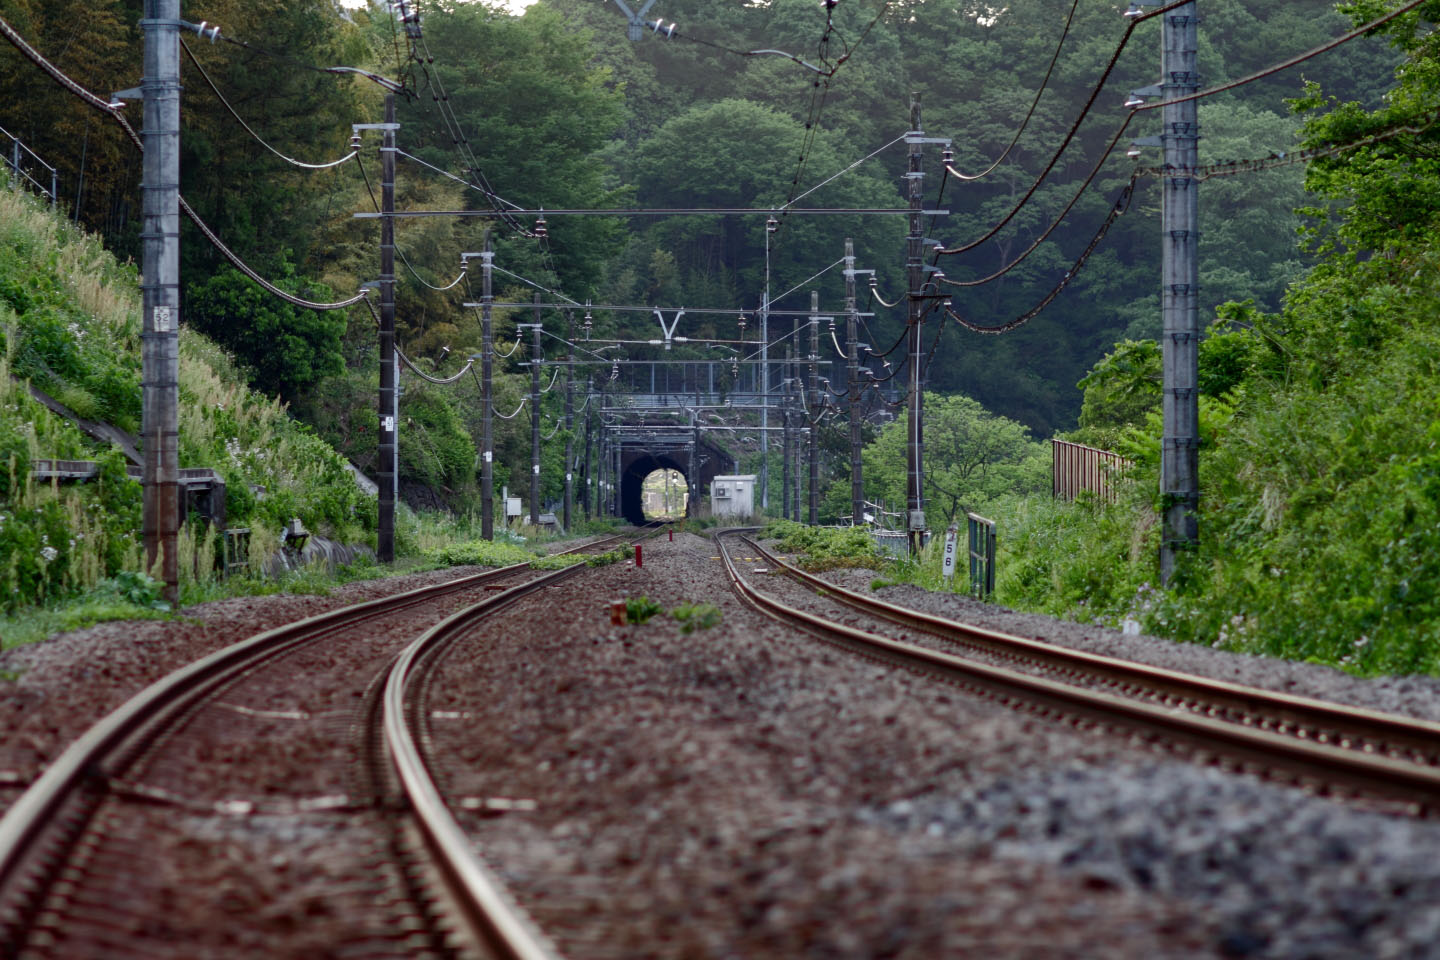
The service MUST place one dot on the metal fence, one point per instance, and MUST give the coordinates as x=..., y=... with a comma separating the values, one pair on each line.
x=982, y=556
x=22, y=162
x=1076, y=468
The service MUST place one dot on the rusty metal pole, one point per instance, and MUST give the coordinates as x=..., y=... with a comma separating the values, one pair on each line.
x=389, y=420
x=160, y=314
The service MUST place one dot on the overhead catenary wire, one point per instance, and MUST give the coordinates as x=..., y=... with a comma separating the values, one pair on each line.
x=349, y=154
x=1117, y=209
x=1285, y=64
x=1069, y=136
x=1119, y=133
x=1054, y=223
x=404, y=259
x=1029, y=114
x=433, y=379
x=113, y=111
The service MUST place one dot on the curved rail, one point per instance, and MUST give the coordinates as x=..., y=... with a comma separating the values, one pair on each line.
x=494, y=922
x=91, y=760
x=1349, y=727
x=1314, y=763
x=477, y=894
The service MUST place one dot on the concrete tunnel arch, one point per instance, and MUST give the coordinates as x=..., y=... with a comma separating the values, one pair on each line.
x=632, y=483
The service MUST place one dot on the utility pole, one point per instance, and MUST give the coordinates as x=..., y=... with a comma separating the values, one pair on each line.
x=589, y=475
x=160, y=322
x=692, y=477
x=786, y=502
x=915, y=269
x=535, y=416
x=1180, y=293
x=487, y=399
x=812, y=446
x=852, y=381
x=389, y=419
x=771, y=225
x=570, y=424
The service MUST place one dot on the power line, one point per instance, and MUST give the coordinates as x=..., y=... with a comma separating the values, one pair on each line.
x=308, y=166
x=1054, y=224
x=1116, y=210
x=1069, y=136
x=1069, y=19
x=1286, y=64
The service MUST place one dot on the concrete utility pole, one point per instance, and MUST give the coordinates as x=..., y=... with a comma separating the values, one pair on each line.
x=570, y=424
x=487, y=398
x=786, y=501
x=389, y=412
x=915, y=270
x=1180, y=293
x=535, y=416
x=812, y=445
x=589, y=475
x=160, y=321
x=692, y=482
x=852, y=380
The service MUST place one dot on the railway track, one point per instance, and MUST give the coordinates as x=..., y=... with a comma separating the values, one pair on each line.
x=80, y=865
x=1329, y=748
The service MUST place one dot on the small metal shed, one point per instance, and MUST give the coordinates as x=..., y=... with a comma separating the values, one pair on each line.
x=733, y=496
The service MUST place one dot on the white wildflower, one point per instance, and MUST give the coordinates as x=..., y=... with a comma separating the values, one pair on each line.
x=49, y=553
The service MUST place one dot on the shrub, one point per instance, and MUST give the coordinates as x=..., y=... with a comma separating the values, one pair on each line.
x=696, y=616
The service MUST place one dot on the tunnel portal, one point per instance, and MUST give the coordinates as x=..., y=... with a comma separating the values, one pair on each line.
x=632, y=484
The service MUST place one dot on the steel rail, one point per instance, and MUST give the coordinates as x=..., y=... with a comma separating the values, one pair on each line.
x=1320, y=765
x=494, y=921
x=1370, y=731
x=83, y=764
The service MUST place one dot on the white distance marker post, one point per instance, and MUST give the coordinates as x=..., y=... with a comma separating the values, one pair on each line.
x=952, y=546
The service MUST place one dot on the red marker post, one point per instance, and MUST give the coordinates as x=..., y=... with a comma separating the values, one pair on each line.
x=638, y=563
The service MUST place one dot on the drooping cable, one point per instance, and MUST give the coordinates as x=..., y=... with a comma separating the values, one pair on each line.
x=425, y=376
x=1069, y=19
x=1054, y=223
x=1120, y=206
x=1285, y=64
x=350, y=155
x=1069, y=136
x=103, y=105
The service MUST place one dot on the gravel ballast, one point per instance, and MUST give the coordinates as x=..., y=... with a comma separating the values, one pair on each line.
x=746, y=791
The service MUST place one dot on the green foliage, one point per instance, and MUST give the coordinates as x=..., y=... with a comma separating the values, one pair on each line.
x=825, y=548
x=480, y=553
x=286, y=349
x=557, y=561
x=640, y=609
x=618, y=555
x=1320, y=509
x=697, y=616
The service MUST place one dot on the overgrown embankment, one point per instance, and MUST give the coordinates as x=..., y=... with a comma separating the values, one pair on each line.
x=70, y=324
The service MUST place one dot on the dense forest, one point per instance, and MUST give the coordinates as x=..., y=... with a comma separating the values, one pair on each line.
x=1318, y=281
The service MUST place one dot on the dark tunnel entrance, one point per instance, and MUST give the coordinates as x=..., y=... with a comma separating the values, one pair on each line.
x=632, y=484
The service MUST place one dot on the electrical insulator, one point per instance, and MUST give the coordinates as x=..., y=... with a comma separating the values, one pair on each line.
x=540, y=229
x=771, y=225
x=355, y=142
x=589, y=324
x=947, y=156
x=742, y=329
